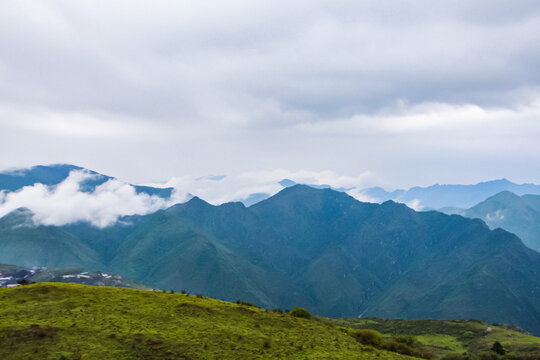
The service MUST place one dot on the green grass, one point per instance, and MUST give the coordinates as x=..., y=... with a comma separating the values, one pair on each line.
x=442, y=344
x=446, y=337
x=68, y=321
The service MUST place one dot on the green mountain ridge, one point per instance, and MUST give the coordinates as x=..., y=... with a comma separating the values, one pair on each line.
x=517, y=214
x=315, y=248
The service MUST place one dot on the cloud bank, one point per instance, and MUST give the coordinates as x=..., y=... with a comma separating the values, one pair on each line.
x=66, y=203
x=240, y=187
x=418, y=92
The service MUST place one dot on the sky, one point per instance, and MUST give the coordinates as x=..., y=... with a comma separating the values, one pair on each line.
x=363, y=93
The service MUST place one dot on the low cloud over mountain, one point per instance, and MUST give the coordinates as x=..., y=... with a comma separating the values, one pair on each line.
x=66, y=203
x=64, y=194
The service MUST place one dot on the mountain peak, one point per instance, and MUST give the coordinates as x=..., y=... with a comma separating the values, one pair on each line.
x=305, y=190
x=504, y=195
x=287, y=183
x=195, y=200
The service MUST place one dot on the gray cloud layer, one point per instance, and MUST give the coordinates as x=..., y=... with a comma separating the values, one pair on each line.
x=414, y=91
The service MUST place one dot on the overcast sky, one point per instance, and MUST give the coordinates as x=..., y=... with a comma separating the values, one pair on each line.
x=391, y=93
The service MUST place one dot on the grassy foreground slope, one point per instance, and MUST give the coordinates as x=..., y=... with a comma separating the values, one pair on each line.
x=470, y=339
x=69, y=321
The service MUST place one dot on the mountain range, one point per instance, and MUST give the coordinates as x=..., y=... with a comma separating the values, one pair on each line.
x=517, y=214
x=453, y=196
x=316, y=248
x=435, y=197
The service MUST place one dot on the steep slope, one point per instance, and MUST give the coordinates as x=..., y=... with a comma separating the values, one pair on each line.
x=500, y=277
x=169, y=253
x=24, y=244
x=458, y=196
x=517, y=214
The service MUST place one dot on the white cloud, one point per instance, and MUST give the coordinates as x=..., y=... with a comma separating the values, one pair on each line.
x=495, y=216
x=241, y=186
x=361, y=196
x=415, y=204
x=66, y=203
x=433, y=118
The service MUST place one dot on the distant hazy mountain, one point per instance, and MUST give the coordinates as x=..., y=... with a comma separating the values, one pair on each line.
x=13, y=180
x=517, y=214
x=315, y=248
x=457, y=196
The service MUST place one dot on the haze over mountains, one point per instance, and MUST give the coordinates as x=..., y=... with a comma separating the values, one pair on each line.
x=517, y=214
x=458, y=196
x=316, y=248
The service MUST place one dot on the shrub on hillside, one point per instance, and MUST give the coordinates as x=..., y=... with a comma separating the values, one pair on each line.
x=498, y=348
x=404, y=349
x=301, y=313
x=369, y=337
x=407, y=340
x=245, y=303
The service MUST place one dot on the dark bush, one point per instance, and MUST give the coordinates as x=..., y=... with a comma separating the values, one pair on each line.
x=455, y=357
x=25, y=282
x=245, y=303
x=404, y=349
x=369, y=337
x=301, y=313
x=498, y=348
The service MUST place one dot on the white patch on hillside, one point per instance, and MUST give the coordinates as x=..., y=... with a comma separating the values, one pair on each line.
x=414, y=204
x=495, y=216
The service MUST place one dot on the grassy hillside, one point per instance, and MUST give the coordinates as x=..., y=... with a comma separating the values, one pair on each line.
x=68, y=321
x=452, y=337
